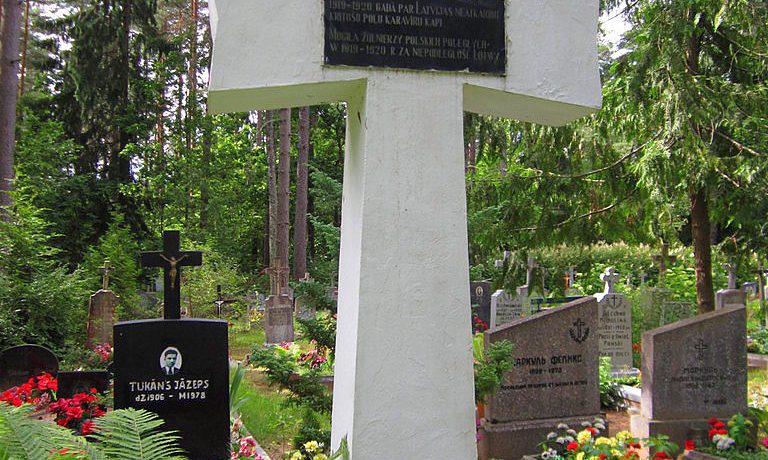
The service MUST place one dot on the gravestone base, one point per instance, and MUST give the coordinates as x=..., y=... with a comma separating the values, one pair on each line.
x=513, y=440
x=278, y=319
x=679, y=431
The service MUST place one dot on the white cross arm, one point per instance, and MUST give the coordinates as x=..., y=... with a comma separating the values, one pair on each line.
x=268, y=54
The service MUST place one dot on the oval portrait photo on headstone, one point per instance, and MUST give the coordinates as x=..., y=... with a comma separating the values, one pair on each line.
x=170, y=361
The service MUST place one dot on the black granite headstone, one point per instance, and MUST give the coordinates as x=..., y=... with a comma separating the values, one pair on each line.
x=480, y=299
x=451, y=35
x=73, y=382
x=20, y=363
x=178, y=369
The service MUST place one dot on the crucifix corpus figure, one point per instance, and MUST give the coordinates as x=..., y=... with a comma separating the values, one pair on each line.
x=406, y=75
x=171, y=259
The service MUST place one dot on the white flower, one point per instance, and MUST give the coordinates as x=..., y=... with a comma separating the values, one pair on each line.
x=562, y=426
x=572, y=432
x=599, y=426
x=551, y=435
x=585, y=424
x=560, y=440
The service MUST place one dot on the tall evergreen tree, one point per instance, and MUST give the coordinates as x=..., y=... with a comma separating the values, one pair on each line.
x=10, y=22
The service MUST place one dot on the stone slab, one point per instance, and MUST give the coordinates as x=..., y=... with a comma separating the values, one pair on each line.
x=73, y=382
x=730, y=298
x=504, y=308
x=615, y=331
x=511, y=441
x=696, y=368
x=678, y=430
x=101, y=317
x=18, y=364
x=193, y=397
x=556, y=365
x=480, y=300
x=278, y=319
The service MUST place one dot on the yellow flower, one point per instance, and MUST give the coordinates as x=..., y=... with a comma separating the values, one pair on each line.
x=311, y=446
x=580, y=455
x=602, y=440
x=320, y=457
x=616, y=453
x=593, y=457
x=583, y=437
x=623, y=436
x=297, y=455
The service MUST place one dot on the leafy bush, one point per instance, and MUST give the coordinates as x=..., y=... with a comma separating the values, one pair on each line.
x=490, y=366
x=610, y=395
x=40, y=301
x=321, y=329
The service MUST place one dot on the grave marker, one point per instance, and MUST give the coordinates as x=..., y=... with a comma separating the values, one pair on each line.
x=505, y=308
x=22, y=362
x=480, y=302
x=403, y=154
x=615, y=331
x=102, y=306
x=554, y=380
x=171, y=259
x=175, y=367
x=693, y=370
x=73, y=382
x=732, y=296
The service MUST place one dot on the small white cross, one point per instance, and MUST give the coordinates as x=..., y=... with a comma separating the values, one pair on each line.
x=610, y=277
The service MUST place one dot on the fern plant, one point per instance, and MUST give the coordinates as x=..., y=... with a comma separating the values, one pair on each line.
x=125, y=434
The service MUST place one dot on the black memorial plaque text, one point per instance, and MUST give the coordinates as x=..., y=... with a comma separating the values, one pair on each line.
x=178, y=369
x=450, y=35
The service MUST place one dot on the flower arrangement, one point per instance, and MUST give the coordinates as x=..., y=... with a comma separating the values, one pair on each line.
x=78, y=412
x=588, y=444
x=38, y=390
x=727, y=438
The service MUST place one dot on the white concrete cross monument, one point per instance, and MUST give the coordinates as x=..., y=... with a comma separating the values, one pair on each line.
x=610, y=278
x=407, y=71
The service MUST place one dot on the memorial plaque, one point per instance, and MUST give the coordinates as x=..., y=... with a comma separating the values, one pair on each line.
x=450, y=35
x=178, y=369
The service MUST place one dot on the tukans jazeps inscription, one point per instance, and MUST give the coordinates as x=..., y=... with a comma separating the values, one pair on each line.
x=450, y=35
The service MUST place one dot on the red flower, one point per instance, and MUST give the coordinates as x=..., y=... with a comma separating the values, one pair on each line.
x=591, y=430
x=713, y=421
x=660, y=454
x=722, y=431
x=712, y=433
x=689, y=445
x=719, y=425
x=573, y=445
x=74, y=412
x=87, y=427
x=602, y=457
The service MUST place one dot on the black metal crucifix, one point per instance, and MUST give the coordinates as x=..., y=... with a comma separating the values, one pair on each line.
x=171, y=259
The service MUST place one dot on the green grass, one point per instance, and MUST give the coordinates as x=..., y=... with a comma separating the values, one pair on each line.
x=264, y=414
x=241, y=340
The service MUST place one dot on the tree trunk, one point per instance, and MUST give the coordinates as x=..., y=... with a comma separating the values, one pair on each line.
x=24, y=47
x=271, y=220
x=283, y=196
x=10, y=22
x=192, y=78
x=702, y=250
x=302, y=194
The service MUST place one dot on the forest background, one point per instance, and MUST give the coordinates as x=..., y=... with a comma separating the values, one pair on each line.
x=105, y=142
